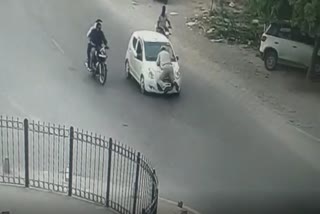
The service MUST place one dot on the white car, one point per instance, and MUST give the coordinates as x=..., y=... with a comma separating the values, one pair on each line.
x=140, y=62
x=283, y=44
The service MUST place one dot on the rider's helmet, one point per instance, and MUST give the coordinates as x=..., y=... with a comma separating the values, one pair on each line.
x=98, y=26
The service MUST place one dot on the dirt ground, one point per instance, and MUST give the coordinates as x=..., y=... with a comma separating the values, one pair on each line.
x=284, y=90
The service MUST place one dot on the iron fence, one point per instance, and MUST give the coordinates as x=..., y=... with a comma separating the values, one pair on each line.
x=77, y=163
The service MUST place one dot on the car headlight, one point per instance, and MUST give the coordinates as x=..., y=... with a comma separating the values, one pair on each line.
x=178, y=74
x=151, y=74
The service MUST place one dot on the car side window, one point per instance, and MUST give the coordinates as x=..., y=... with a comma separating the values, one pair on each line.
x=301, y=37
x=306, y=39
x=134, y=42
x=139, y=51
x=297, y=35
x=285, y=33
x=273, y=30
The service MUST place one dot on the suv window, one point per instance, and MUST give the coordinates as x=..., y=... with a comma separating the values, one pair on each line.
x=134, y=42
x=306, y=39
x=273, y=30
x=285, y=33
x=302, y=37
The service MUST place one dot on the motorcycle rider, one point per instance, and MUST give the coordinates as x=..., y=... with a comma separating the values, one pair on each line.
x=97, y=39
x=90, y=46
x=163, y=20
x=94, y=26
x=164, y=62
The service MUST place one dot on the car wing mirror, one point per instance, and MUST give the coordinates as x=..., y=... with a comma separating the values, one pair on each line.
x=135, y=54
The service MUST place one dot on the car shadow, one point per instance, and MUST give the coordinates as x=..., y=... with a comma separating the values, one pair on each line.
x=135, y=86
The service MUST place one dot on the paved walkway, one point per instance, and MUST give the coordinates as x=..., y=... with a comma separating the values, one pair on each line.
x=28, y=201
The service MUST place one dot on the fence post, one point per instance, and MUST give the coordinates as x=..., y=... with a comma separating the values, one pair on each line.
x=26, y=151
x=156, y=204
x=153, y=185
x=154, y=194
x=109, y=173
x=136, y=186
x=70, y=161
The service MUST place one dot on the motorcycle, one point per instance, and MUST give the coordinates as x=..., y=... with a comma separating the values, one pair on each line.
x=168, y=86
x=99, y=64
x=165, y=31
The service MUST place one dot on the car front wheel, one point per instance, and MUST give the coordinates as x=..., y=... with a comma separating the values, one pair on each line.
x=270, y=60
x=142, y=85
x=127, y=70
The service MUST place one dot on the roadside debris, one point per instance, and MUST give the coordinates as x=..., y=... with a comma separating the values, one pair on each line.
x=174, y=14
x=230, y=23
x=210, y=30
x=190, y=24
x=232, y=4
x=217, y=40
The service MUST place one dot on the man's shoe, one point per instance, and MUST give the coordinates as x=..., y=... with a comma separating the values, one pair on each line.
x=176, y=86
x=166, y=90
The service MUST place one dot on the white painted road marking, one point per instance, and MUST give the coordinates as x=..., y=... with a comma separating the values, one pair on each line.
x=308, y=135
x=20, y=109
x=57, y=45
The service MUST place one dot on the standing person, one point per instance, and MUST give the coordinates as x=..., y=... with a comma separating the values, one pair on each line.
x=163, y=20
x=164, y=62
x=90, y=45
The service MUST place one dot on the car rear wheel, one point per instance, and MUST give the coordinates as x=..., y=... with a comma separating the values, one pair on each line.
x=271, y=60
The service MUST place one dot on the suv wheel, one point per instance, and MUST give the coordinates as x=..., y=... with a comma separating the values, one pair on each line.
x=270, y=60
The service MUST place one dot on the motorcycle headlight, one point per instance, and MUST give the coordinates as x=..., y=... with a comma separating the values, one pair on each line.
x=151, y=74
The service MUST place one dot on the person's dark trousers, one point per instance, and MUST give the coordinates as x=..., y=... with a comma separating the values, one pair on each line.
x=89, y=48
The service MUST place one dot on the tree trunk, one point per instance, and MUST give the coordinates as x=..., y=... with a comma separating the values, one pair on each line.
x=315, y=57
x=212, y=3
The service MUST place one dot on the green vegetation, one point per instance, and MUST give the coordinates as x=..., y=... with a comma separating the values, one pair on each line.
x=236, y=24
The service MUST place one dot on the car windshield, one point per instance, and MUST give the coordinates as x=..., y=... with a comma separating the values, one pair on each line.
x=152, y=50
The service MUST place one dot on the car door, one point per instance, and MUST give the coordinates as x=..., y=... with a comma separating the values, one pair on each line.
x=285, y=44
x=138, y=59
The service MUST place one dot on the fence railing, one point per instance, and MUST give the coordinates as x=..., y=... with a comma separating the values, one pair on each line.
x=77, y=163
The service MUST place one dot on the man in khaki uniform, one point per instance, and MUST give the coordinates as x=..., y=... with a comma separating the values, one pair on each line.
x=164, y=62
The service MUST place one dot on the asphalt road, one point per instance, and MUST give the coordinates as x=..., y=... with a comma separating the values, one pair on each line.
x=208, y=149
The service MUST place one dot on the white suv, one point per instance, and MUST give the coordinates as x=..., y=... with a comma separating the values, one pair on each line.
x=284, y=44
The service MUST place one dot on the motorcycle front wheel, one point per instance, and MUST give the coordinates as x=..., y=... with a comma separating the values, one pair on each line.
x=102, y=73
